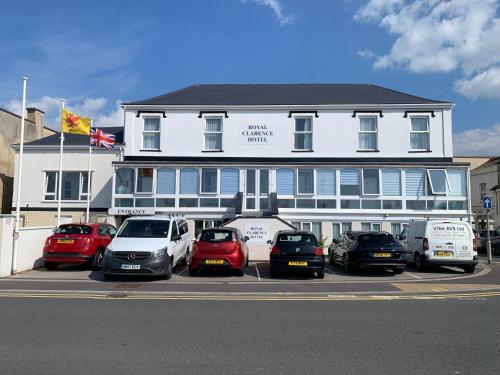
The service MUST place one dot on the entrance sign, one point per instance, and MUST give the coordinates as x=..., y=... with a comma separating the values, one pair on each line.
x=257, y=232
x=256, y=134
x=487, y=203
x=124, y=211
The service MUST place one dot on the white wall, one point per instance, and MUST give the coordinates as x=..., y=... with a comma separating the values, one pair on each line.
x=335, y=134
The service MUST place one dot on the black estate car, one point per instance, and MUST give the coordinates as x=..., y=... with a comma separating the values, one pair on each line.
x=296, y=251
x=355, y=250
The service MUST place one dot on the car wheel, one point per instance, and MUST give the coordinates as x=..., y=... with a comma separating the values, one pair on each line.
x=97, y=259
x=240, y=272
x=51, y=265
x=419, y=262
x=398, y=271
x=168, y=271
x=273, y=273
x=107, y=276
x=347, y=266
x=193, y=272
x=320, y=274
x=469, y=269
x=246, y=262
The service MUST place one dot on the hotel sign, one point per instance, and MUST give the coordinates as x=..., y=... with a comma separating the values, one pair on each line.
x=130, y=211
x=255, y=134
x=257, y=232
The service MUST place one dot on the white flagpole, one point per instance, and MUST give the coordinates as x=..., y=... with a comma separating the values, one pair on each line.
x=19, y=182
x=89, y=173
x=59, y=176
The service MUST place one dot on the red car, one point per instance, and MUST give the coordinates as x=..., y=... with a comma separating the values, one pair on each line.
x=78, y=244
x=219, y=248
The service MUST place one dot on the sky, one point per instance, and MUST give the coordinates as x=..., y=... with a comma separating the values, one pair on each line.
x=97, y=54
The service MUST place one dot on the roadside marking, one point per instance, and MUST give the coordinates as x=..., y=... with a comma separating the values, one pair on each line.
x=424, y=287
x=415, y=276
x=258, y=273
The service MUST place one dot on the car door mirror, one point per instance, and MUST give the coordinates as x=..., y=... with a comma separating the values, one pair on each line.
x=246, y=238
x=269, y=242
x=398, y=237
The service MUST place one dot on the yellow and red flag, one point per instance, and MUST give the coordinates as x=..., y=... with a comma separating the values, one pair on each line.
x=72, y=123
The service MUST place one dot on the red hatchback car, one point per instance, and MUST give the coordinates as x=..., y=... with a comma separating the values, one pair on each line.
x=219, y=248
x=78, y=244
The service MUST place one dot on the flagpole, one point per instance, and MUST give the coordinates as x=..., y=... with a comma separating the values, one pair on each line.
x=19, y=182
x=59, y=176
x=89, y=173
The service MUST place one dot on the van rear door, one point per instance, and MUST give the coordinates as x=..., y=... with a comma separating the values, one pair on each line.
x=450, y=241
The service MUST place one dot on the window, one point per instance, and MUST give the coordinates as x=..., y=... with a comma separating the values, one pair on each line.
x=457, y=205
x=458, y=181
x=395, y=229
x=229, y=181
x=370, y=204
x=415, y=182
x=85, y=187
x=189, y=181
x=349, y=182
x=326, y=203
x=71, y=188
x=368, y=133
x=209, y=180
x=209, y=202
x=306, y=203
x=188, y=202
x=144, y=180
x=303, y=134
x=124, y=181
x=151, y=133
x=285, y=182
x=264, y=182
x=325, y=182
x=213, y=134
x=286, y=203
x=165, y=181
x=124, y=202
x=436, y=205
x=305, y=181
x=371, y=182
x=415, y=205
x=482, y=190
x=392, y=204
x=438, y=181
x=250, y=182
x=314, y=227
x=144, y=202
x=165, y=202
x=419, y=134
x=375, y=227
x=339, y=228
x=50, y=186
x=349, y=204
x=391, y=182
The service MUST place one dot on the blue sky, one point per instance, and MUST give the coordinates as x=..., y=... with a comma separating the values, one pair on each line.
x=98, y=53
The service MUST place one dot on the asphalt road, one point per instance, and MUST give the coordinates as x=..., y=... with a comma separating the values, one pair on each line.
x=68, y=336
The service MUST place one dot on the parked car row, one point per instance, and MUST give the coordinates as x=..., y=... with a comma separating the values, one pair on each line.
x=154, y=245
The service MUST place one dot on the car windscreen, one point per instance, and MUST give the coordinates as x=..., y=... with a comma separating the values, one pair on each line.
x=376, y=239
x=74, y=229
x=297, y=239
x=145, y=229
x=216, y=236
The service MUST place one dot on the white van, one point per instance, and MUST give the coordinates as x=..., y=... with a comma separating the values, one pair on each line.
x=440, y=242
x=147, y=245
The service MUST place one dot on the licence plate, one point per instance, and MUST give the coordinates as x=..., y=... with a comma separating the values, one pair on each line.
x=131, y=266
x=295, y=263
x=214, y=261
x=65, y=241
x=382, y=255
x=443, y=253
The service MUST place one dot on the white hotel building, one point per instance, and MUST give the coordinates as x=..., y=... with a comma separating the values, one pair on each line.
x=323, y=157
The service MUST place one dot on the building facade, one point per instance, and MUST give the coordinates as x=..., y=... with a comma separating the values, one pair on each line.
x=323, y=157
x=485, y=182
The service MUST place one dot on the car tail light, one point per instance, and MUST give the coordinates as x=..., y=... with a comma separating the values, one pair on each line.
x=318, y=251
x=426, y=244
x=87, y=242
x=474, y=246
x=275, y=250
x=48, y=241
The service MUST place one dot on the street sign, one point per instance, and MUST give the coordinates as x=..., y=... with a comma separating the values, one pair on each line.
x=487, y=203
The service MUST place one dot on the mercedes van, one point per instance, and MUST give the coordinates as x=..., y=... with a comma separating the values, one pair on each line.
x=441, y=243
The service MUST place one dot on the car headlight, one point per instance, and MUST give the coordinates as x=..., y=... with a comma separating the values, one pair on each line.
x=108, y=253
x=159, y=253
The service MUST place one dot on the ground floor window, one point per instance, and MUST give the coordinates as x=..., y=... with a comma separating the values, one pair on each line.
x=309, y=226
x=209, y=223
x=339, y=228
x=396, y=228
x=376, y=227
x=74, y=186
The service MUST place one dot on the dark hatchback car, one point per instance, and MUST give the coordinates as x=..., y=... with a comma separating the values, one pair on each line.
x=296, y=251
x=354, y=250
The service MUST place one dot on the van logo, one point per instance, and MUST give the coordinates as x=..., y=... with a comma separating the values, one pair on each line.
x=131, y=256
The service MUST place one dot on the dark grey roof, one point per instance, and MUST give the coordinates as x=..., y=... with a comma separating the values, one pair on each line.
x=284, y=94
x=77, y=139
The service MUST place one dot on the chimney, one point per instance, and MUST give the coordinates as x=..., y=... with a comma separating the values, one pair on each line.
x=36, y=115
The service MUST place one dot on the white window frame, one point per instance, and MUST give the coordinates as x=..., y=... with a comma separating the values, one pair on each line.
x=371, y=224
x=82, y=196
x=339, y=223
x=151, y=132
x=153, y=187
x=379, y=183
x=368, y=132
x=205, y=132
x=217, y=178
x=428, y=132
x=53, y=194
x=295, y=132
x=430, y=181
x=313, y=181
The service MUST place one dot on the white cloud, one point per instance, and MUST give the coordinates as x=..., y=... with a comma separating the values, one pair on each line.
x=96, y=108
x=485, y=84
x=477, y=142
x=277, y=8
x=439, y=36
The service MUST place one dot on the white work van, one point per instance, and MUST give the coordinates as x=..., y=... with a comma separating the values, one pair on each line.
x=440, y=242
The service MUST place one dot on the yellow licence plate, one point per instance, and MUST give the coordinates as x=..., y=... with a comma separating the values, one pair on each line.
x=443, y=253
x=294, y=263
x=65, y=241
x=214, y=261
x=382, y=255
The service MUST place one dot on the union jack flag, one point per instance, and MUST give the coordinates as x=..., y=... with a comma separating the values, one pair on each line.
x=100, y=139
